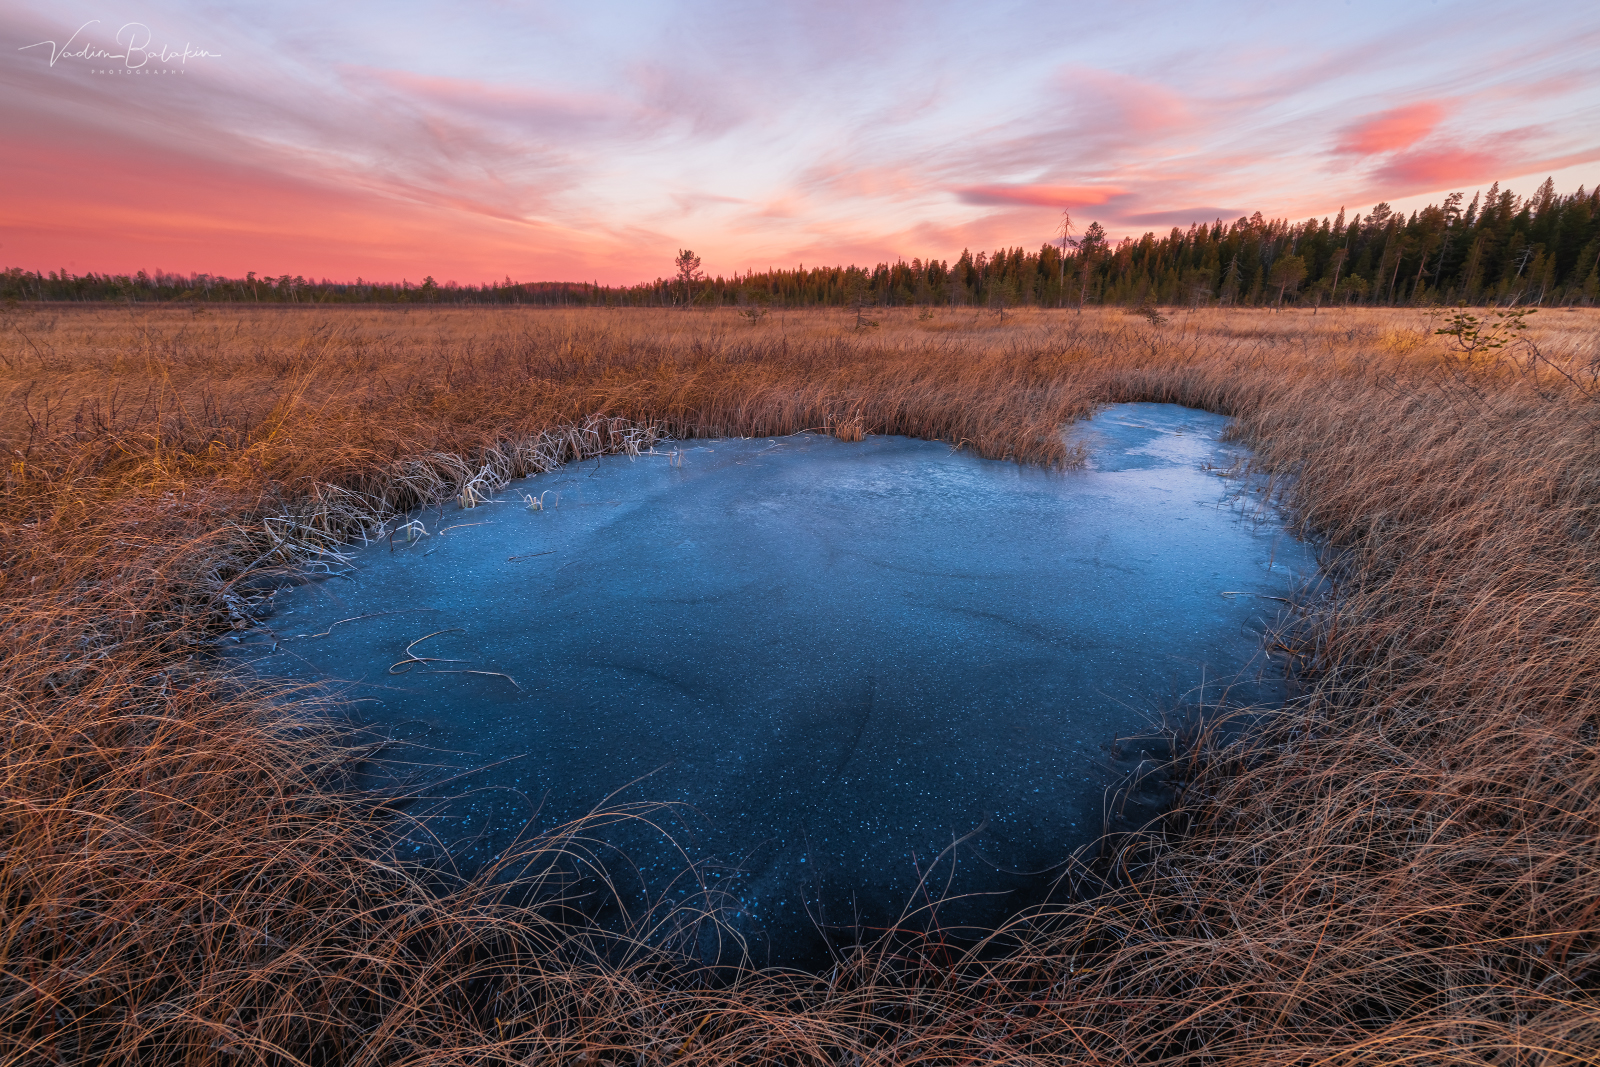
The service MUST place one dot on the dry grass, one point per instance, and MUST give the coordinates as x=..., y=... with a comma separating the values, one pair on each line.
x=1404, y=866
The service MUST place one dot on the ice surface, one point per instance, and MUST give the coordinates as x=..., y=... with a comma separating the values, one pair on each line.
x=843, y=656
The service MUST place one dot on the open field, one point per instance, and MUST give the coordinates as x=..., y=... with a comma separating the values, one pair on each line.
x=1404, y=866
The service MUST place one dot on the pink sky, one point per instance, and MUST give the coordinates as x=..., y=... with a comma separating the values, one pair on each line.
x=474, y=142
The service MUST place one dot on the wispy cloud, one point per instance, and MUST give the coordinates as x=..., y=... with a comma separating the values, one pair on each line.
x=1184, y=216
x=1391, y=130
x=1065, y=196
x=594, y=142
x=1436, y=168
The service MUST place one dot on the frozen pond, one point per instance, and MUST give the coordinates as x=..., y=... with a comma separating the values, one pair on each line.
x=843, y=656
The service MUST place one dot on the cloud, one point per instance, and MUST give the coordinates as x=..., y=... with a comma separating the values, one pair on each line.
x=1434, y=168
x=1389, y=131
x=865, y=181
x=1085, y=126
x=710, y=107
x=1040, y=195
x=584, y=144
x=1427, y=170
x=541, y=110
x=1183, y=216
x=782, y=207
x=1106, y=104
x=692, y=201
x=118, y=202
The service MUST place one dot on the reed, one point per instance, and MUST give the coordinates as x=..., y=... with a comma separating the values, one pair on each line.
x=1401, y=865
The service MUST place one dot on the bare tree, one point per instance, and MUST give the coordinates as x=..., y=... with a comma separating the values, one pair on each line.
x=1339, y=255
x=1066, y=239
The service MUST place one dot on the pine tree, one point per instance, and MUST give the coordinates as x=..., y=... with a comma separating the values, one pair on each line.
x=689, y=272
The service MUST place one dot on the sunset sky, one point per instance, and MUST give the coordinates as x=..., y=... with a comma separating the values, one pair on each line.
x=473, y=141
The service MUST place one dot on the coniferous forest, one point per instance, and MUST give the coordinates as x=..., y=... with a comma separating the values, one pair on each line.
x=1496, y=249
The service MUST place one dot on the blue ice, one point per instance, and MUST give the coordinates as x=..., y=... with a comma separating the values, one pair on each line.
x=842, y=656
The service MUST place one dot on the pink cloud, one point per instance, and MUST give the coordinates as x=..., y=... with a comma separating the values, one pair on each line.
x=1110, y=103
x=1389, y=131
x=755, y=137
x=498, y=102
x=709, y=106
x=1433, y=168
x=1182, y=216
x=1040, y=195
x=1093, y=123
x=113, y=203
x=870, y=182
x=1429, y=169
x=783, y=207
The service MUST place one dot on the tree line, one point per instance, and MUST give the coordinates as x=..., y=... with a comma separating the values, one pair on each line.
x=1499, y=249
